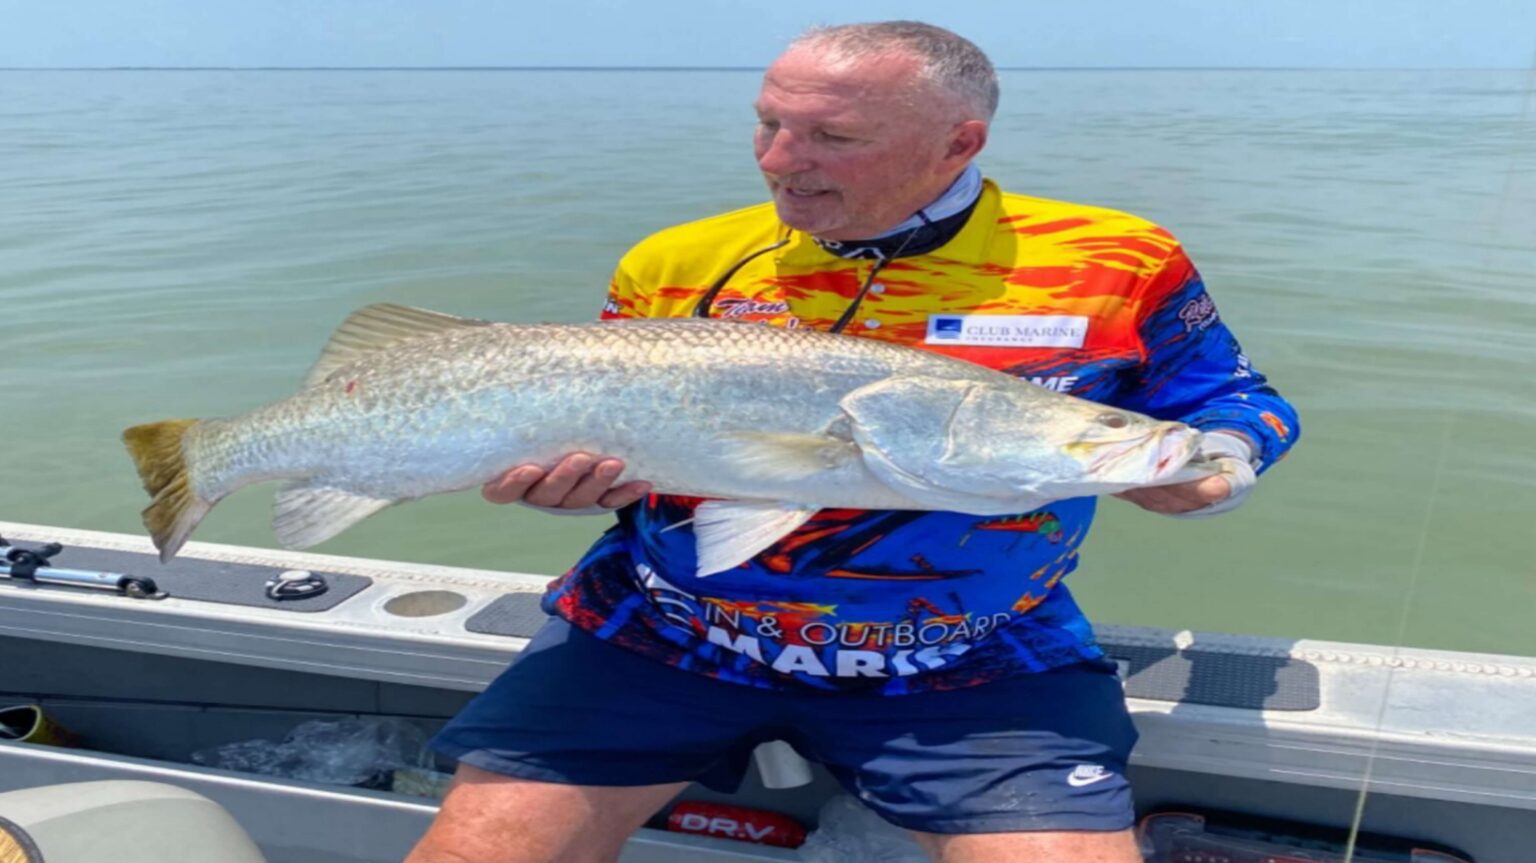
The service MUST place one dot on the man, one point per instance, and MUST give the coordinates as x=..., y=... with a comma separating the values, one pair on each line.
x=932, y=661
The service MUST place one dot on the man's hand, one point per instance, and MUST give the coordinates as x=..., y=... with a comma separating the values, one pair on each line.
x=580, y=481
x=1232, y=454
x=1183, y=497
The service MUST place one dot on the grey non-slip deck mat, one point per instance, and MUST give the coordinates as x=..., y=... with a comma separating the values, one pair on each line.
x=1217, y=678
x=516, y=614
x=1157, y=673
x=206, y=580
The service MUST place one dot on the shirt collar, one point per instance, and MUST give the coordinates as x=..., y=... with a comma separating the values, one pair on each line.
x=970, y=246
x=959, y=196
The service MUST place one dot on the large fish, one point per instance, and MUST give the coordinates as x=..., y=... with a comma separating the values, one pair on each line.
x=770, y=424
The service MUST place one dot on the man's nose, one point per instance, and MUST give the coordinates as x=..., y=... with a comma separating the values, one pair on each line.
x=783, y=153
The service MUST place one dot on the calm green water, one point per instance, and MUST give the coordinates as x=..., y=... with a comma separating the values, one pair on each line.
x=180, y=244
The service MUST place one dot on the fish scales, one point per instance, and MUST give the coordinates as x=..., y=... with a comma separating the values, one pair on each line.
x=448, y=411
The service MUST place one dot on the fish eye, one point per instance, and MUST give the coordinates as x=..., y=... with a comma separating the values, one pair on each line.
x=1113, y=420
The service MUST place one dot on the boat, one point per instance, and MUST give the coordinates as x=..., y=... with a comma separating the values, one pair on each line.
x=139, y=665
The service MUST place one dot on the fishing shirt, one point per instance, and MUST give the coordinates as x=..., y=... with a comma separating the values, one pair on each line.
x=1081, y=300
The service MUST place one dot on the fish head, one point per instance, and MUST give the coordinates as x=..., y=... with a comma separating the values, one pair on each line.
x=1003, y=445
x=1113, y=450
x=1057, y=446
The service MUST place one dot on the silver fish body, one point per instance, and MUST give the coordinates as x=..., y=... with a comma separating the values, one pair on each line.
x=772, y=423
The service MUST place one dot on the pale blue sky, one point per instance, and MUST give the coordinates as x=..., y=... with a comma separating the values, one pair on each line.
x=1306, y=33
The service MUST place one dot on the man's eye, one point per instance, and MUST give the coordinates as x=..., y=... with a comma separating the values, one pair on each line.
x=833, y=139
x=768, y=125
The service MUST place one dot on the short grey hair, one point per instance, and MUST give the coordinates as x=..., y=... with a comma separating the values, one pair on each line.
x=950, y=62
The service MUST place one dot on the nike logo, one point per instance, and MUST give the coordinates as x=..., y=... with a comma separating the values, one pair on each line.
x=1087, y=774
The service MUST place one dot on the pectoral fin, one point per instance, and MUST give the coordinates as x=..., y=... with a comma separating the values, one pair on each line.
x=307, y=515
x=786, y=457
x=731, y=532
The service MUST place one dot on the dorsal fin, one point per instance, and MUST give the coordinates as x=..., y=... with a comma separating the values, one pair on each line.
x=371, y=328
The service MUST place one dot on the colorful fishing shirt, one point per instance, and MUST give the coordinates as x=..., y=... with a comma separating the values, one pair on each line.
x=1081, y=300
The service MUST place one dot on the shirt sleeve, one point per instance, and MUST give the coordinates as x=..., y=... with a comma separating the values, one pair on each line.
x=1194, y=371
x=628, y=296
x=620, y=303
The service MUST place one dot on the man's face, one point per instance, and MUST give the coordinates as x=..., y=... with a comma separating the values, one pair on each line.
x=851, y=151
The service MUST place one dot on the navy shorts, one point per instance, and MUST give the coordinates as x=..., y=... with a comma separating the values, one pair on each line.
x=1040, y=751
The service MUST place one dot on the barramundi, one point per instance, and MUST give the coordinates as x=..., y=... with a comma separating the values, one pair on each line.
x=767, y=424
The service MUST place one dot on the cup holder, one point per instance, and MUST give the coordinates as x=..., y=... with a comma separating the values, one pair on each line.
x=425, y=603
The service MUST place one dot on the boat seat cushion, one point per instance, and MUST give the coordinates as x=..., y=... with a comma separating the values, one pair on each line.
x=120, y=822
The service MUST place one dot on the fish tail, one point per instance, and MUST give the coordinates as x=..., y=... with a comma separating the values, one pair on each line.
x=157, y=450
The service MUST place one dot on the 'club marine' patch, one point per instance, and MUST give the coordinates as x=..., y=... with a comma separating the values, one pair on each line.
x=1011, y=331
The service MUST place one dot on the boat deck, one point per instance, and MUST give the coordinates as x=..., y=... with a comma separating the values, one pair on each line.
x=1292, y=727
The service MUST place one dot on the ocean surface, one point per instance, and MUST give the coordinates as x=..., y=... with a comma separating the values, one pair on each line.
x=178, y=244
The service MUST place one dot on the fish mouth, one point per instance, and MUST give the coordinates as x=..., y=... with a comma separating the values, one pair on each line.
x=1145, y=460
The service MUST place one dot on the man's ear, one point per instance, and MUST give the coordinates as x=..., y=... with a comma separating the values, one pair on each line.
x=966, y=140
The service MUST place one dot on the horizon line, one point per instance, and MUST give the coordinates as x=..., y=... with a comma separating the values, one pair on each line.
x=742, y=68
